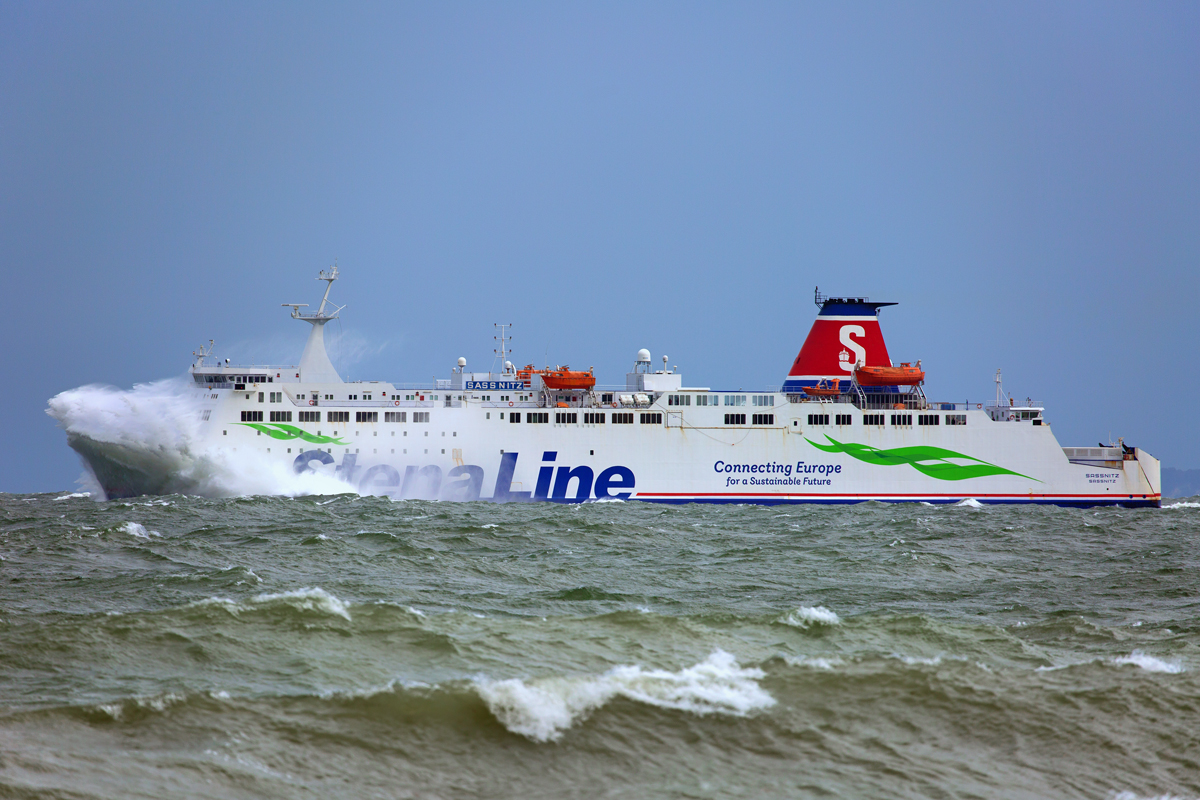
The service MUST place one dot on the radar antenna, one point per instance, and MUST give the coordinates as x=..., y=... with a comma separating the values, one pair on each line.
x=819, y=298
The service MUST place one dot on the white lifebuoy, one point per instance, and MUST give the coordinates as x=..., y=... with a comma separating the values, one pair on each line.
x=312, y=402
x=614, y=405
x=978, y=406
x=396, y=402
x=510, y=402
x=1012, y=417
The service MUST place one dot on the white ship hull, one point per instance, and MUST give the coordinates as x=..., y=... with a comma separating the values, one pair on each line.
x=471, y=451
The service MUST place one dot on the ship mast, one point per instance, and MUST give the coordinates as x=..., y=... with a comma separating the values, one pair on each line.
x=315, y=366
x=502, y=351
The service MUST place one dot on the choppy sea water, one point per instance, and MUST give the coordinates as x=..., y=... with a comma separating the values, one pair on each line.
x=344, y=646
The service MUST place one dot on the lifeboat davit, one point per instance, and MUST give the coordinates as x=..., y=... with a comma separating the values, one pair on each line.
x=560, y=378
x=831, y=387
x=904, y=375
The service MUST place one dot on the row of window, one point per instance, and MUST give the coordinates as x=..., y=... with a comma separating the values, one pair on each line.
x=236, y=379
x=366, y=416
x=760, y=400
x=735, y=419
x=623, y=418
x=566, y=417
x=310, y=416
x=762, y=419
x=651, y=418
x=593, y=417
x=281, y=416
x=900, y=420
x=251, y=416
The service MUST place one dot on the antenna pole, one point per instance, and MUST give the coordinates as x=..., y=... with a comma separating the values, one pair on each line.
x=503, y=350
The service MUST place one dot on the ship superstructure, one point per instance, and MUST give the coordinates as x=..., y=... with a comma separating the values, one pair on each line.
x=846, y=426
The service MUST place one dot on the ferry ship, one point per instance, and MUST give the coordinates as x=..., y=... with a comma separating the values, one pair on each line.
x=846, y=426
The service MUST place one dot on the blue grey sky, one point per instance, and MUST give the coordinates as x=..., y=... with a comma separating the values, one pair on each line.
x=1022, y=178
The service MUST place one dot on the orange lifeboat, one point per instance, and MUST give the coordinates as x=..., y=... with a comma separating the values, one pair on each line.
x=904, y=375
x=560, y=378
x=566, y=379
x=830, y=387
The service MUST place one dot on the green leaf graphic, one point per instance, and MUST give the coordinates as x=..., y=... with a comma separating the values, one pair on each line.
x=931, y=461
x=285, y=433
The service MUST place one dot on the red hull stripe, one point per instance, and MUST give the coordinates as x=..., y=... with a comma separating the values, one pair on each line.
x=893, y=494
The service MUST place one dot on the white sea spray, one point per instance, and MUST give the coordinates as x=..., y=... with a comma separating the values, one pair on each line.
x=157, y=428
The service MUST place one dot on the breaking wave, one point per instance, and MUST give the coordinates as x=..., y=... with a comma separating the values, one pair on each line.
x=543, y=709
x=808, y=616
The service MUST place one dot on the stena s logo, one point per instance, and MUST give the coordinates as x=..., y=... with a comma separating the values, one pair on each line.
x=860, y=352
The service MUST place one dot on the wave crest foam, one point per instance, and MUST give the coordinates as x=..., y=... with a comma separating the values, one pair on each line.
x=544, y=709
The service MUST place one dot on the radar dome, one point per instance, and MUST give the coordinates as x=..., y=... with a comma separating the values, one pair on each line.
x=462, y=362
x=643, y=355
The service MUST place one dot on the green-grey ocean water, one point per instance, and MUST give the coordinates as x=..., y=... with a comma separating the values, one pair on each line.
x=357, y=647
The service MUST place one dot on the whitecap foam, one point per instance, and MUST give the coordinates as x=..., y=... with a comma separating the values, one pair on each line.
x=808, y=616
x=309, y=599
x=1183, y=504
x=543, y=709
x=73, y=495
x=154, y=703
x=815, y=662
x=137, y=530
x=1149, y=663
x=970, y=502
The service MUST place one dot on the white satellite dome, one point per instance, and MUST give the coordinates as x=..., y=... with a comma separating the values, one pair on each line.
x=643, y=355
x=462, y=362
